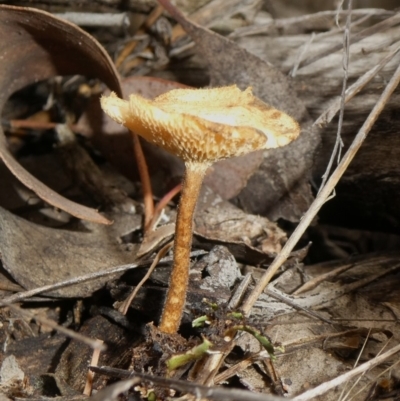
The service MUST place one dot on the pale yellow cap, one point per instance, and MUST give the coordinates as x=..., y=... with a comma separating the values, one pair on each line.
x=204, y=125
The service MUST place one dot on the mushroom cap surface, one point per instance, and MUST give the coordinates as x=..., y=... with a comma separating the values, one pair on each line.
x=204, y=125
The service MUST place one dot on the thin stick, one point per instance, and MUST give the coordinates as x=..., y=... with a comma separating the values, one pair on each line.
x=367, y=32
x=355, y=364
x=311, y=284
x=324, y=193
x=346, y=57
x=90, y=374
x=145, y=180
x=275, y=294
x=82, y=279
x=162, y=204
x=161, y=253
x=325, y=387
x=326, y=117
x=76, y=280
x=112, y=391
x=308, y=18
x=375, y=379
x=235, y=369
x=199, y=391
x=317, y=37
x=103, y=20
x=95, y=344
x=176, y=296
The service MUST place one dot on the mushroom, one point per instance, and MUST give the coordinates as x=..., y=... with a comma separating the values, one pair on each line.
x=200, y=126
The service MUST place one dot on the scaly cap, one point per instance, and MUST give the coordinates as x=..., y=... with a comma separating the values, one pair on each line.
x=204, y=125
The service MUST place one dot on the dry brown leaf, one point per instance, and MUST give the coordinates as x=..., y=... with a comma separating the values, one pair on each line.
x=228, y=177
x=36, y=256
x=40, y=46
x=228, y=223
x=73, y=362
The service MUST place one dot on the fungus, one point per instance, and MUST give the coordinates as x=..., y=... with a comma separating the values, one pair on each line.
x=200, y=126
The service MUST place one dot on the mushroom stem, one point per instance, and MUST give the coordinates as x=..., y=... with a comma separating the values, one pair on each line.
x=176, y=296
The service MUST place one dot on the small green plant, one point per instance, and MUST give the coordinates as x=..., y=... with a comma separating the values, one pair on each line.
x=193, y=354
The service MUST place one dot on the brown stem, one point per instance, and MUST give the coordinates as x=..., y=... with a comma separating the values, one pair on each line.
x=162, y=204
x=145, y=180
x=176, y=296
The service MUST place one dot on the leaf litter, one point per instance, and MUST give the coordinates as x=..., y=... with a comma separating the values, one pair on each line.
x=316, y=334
x=27, y=31
x=52, y=255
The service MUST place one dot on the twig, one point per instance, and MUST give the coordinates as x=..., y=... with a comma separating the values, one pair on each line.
x=311, y=284
x=300, y=55
x=103, y=20
x=324, y=387
x=335, y=271
x=161, y=253
x=318, y=300
x=145, y=180
x=309, y=18
x=381, y=374
x=355, y=364
x=154, y=15
x=294, y=305
x=326, y=117
x=316, y=37
x=346, y=288
x=289, y=346
x=133, y=43
x=239, y=292
x=10, y=287
x=112, y=392
x=346, y=56
x=378, y=27
x=212, y=365
x=76, y=280
x=82, y=279
x=162, y=204
x=95, y=344
x=33, y=124
x=238, y=367
x=90, y=374
x=324, y=193
x=213, y=393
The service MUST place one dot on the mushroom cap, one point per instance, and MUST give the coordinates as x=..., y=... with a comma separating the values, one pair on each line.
x=204, y=125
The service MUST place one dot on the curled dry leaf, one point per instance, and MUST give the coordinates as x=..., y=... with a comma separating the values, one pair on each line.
x=227, y=223
x=40, y=46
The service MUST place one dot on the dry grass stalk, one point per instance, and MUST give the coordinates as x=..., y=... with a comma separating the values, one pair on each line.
x=324, y=193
